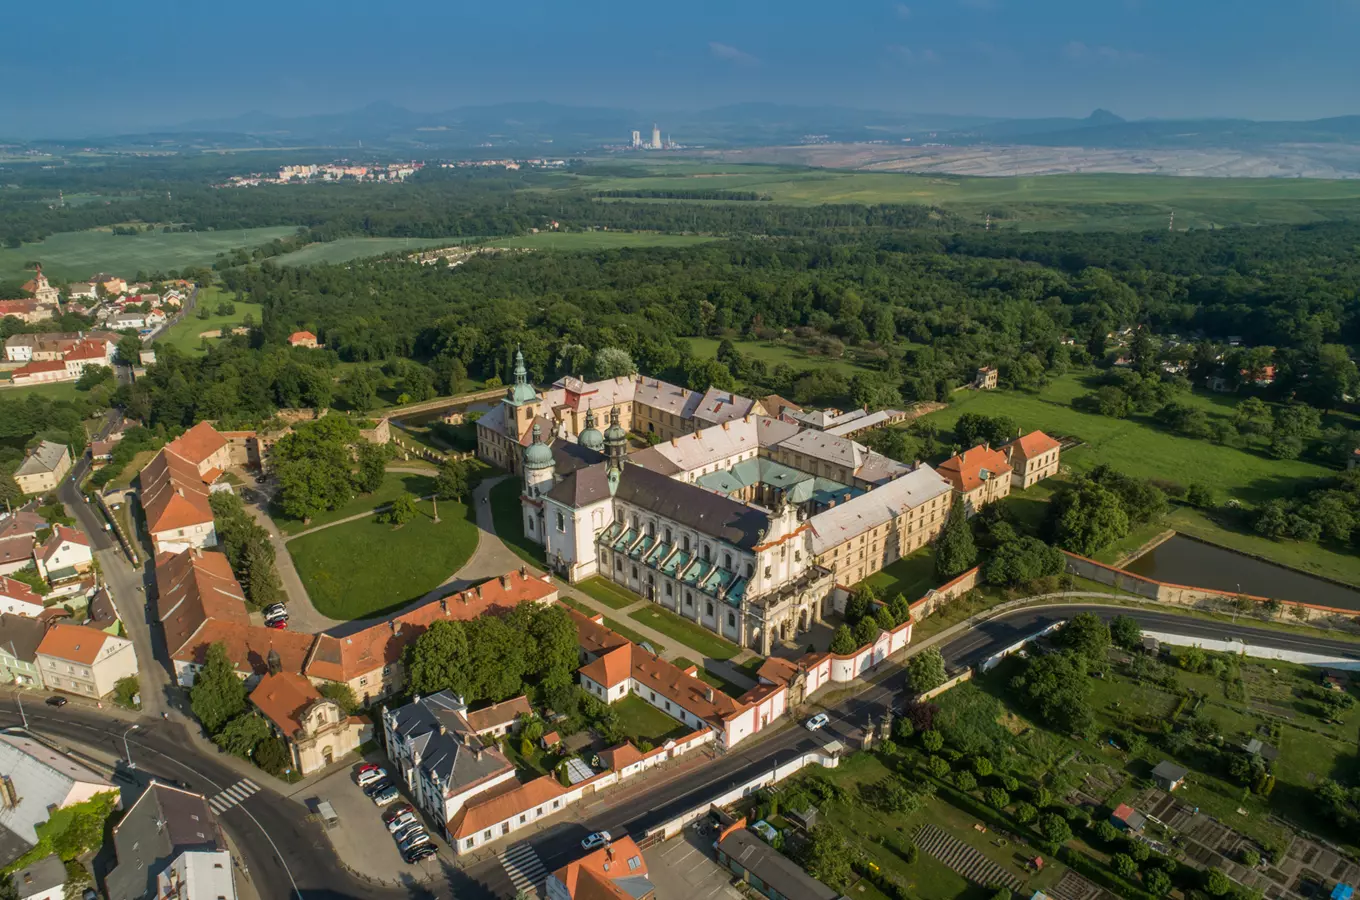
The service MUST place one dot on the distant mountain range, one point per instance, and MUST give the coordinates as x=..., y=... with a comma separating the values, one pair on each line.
x=547, y=128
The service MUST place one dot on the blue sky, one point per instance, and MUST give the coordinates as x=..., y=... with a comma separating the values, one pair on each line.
x=94, y=66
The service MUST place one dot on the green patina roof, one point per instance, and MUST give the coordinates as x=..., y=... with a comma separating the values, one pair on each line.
x=522, y=392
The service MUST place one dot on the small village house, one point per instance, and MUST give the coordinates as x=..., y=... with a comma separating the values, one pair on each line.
x=302, y=339
x=66, y=554
x=86, y=661
x=44, y=468
x=1032, y=458
x=19, y=650
x=615, y=872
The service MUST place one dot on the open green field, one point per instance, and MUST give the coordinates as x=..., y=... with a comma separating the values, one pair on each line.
x=65, y=390
x=345, y=249
x=774, y=354
x=367, y=568
x=596, y=240
x=79, y=254
x=394, y=484
x=1137, y=447
x=185, y=334
x=1091, y=201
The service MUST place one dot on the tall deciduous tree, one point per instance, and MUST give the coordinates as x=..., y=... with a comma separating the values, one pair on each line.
x=925, y=670
x=1087, y=518
x=438, y=660
x=955, y=552
x=452, y=482
x=218, y=695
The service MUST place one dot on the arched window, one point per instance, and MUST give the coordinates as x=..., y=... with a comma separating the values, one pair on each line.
x=732, y=620
x=651, y=529
x=727, y=561
x=707, y=553
x=750, y=570
x=708, y=608
x=685, y=543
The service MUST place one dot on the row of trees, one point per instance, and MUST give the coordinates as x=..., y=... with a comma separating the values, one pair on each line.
x=248, y=549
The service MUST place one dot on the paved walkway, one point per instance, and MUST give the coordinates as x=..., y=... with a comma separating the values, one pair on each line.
x=302, y=615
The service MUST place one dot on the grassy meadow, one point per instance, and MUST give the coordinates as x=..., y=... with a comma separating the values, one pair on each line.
x=79, y=254
x=343, y=250
x=186, y=334
x=774, y=354
x=1084, y=202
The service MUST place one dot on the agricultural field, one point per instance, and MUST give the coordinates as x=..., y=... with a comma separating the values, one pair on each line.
x=185, y=335
x=79, y=254
x=1136, y=446
x=1095, y=201
x=343, y=250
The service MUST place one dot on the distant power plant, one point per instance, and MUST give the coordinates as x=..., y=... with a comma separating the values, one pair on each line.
x=655, y=143
x=637, y=140
x=656, y=137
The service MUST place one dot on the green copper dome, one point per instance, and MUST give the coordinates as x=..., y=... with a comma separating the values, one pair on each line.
x=590, y=436
x=521, y=391
x=615, y=434
x=538, y=455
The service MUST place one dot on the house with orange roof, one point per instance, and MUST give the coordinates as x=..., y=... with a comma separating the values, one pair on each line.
x=66, y=554
x=175, y=486
x=18, y=598
x=370, y=660
x=979, y=475
x=621, y=668
x=613, y=872
x=87, y=353
x=81, y=660
x=302, y=339
x=1032, y=458
x=316, y=730
x=39, y=371
x=192, y=587
x=248, y=647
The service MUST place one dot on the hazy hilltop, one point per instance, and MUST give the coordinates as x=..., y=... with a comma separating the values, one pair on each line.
x=829, y=136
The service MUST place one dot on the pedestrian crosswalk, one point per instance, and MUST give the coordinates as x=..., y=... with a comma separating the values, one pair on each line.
x=233, y=795
x=525, y=869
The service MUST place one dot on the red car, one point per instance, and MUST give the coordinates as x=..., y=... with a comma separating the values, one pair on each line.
x=368, y=767
x=277, y=624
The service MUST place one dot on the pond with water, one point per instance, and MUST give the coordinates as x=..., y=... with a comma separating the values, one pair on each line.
x=1183, y=560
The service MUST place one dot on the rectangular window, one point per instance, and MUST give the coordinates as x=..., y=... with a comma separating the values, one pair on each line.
x=363, y=681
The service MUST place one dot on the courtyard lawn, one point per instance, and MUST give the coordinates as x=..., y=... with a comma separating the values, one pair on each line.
x=608, y=593
x=394, y=484
x=695, y=637
x=186, y=334
x=641, y=721
x=716, y=680
x=507, y=515
x=911, y=576
x=367, y=568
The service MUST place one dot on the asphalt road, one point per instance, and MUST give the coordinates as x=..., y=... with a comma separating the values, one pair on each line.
x=283, y=849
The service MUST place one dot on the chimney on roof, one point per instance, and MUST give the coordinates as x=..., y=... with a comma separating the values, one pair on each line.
x=524, y=572
x=462, y=597
x=478, y=591
x=725, y=424
x=675, y=442
x=444, y=605
x=505, y=582
x=395, y=626
x=180, y=491
x=708, y=694
x=443, y=729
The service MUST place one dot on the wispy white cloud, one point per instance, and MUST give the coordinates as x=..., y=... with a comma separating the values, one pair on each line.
x=731, y=54
x=902, y=10
x=1079, y=51
x=919, y=56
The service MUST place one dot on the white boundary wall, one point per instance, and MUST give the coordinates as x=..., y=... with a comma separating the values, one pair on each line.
x=1242, y=648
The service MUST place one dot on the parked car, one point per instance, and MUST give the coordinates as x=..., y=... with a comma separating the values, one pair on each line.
x=595, y=840
x=398, y=811
x=369, y=767
x=374, y=788
x=419, y=854
x=274, y=609
x=405, y=831
x=390, y=795
x=56, y=701
x=415, y=839
x=277, y=624
x=402, y=822
x=817, y=722
x=368, y=776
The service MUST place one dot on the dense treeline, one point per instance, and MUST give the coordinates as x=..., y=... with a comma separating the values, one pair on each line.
x=682, y=194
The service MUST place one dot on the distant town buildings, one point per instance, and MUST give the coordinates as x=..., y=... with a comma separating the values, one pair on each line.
x=336, y=171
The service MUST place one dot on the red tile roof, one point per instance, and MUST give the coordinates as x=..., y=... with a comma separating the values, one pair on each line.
x=283, y=698
x=74, y=643
x=197, y=444
x=248, y=646
x=298, y=337
x=173, y=494
x=37, y=367
x=965, y=471
x=592, y=634
x=17, y=590
x=62, y=534
x=497, y=804
x=592, y=876
x=192, y=587
x=499, y=714
x=611, y=668
x=1032, y=445
x=87, y=350
x=381, y=644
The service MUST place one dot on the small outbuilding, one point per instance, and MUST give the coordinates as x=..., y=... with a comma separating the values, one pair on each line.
x=1168, y=776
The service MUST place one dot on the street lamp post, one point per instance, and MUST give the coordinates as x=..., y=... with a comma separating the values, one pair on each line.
x=128, y=750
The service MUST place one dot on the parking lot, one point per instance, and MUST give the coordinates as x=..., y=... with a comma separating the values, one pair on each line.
x=684, y=868
x=362, y=834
